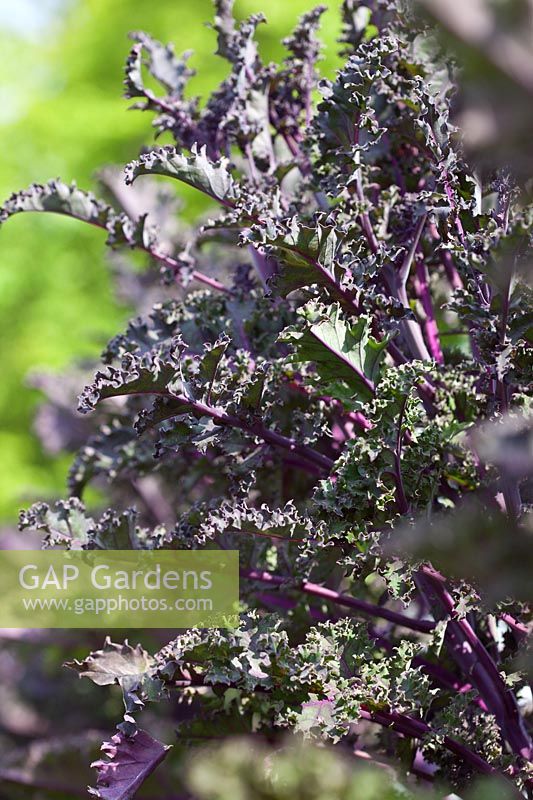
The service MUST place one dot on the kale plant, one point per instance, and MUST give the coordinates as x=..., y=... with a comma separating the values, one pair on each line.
x=334, y=381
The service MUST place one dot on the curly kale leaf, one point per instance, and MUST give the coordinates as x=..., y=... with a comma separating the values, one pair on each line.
x=113, y=664
x=197, y=170
x=345, y=356
x=67, y=524
x=128, y=762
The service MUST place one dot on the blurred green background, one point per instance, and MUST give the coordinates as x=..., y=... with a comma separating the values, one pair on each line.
x=62, y=114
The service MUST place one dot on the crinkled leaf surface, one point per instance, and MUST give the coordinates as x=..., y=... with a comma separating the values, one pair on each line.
x=113, y=663
x=342, y=352
x=213, y=179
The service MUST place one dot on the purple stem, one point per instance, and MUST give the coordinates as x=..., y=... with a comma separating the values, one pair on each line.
x=401, y=723
x=430, y=325
x=417, y=729
x=255, y=428
x=364, y=219
x=269, y=436
x=133, y=209
x=439, y=675
x=423, y=626
x=154, y=253
x=396, y=353
x=330, y=279
x=451, y=270
x=354, y=416
x=395, y=282
x=401, y=499
x=473, y=659
x=201, y=277
x=449, y=266
x=410, y=328
x=359, y=419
